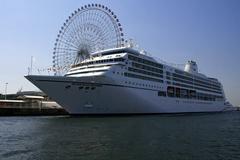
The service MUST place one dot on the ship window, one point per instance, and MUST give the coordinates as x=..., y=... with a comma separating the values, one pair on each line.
x=192, y=94
x=86, y=88
x=140, y=60
x=162, y=93
x=142, y=77
x=177, y=92
x=184, y=93
x=140, y=66
x=81, y=87
x=92, y=88
x=144, y=72
x=111, y=52
x=118, y=59
x=68, y=86
x=170, y=91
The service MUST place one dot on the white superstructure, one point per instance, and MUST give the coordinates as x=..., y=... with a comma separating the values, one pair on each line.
x=123, y=81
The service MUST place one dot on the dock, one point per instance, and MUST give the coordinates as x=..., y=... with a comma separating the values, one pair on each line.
x=30, y=105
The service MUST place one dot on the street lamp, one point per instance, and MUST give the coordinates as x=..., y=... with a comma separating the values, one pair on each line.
x=6, y=90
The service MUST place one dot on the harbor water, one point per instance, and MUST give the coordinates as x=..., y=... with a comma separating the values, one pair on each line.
x=178, y=136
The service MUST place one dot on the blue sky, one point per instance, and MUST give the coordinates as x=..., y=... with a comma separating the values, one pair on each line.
x=207, y=31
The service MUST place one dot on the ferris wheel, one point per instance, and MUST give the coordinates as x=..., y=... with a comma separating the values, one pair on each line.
x=88, y=29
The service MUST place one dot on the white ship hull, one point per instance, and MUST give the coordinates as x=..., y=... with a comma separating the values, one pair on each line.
x=108, y=97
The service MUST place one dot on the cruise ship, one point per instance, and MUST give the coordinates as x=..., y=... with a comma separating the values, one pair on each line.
x=125, y=81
